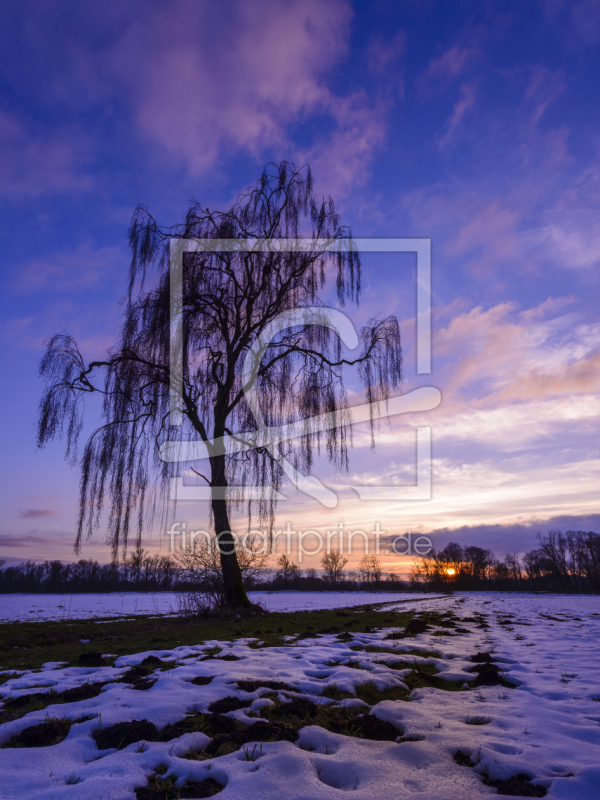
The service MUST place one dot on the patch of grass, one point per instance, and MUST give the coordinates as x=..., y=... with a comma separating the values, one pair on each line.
x=17, y=707
x=423, y=674
x=333, y=692
x=369, y=693
x=45, y=734
x=59, y=640
x=477, y=720
x=159, y=788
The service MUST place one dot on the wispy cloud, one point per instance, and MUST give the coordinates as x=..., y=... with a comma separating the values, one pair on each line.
x=445, y=69
x=37, y=513
x=462, y=105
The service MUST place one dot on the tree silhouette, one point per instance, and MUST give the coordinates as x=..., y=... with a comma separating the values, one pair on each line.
x=228, y=299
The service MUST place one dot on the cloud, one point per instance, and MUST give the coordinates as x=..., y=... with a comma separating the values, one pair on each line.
x=198, y=91
x=37, y=162
x=520, y=536
x=198, y=82
x=36, y=513
x=24, y=541
x=582, y=18
x=445, y=69
x=341, y=162
x=462, y=105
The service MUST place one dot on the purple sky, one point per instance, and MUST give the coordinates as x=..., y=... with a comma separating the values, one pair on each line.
x=475, y=124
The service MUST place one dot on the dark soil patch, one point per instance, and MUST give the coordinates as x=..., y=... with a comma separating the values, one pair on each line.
x=78, y=693
x=227, y=704
x=416, y=626
x=210, y=724
x=462, y=759
x=45, y=734
x=202, y=680
x=135, y=674
x=367, y=727
x=125, y=733
x=152, y=661
x=447, y=623
x=143, y=684
x=518, y=786
x=91, y=659
x=252, y=686
x=229, y=657
x=219, y=724
x=333, y=629
x=482, y=658
x=258, y=732
x=301, y=709
x=164, y=789
x=489, y=675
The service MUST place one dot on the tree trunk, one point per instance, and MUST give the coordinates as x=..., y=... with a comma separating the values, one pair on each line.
x=235, y=594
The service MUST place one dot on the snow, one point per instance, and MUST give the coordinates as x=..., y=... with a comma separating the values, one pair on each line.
x=548, y=726
x=35, y=607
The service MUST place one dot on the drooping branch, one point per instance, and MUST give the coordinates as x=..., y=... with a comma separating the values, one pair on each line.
x=228, y=299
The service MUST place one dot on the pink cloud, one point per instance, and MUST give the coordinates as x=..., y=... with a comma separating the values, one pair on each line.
x=462, y=105
x=341, y=162
x=35, y=163
x=196, y=91
x=37, y=513
x=496, y=357
x=446, y=68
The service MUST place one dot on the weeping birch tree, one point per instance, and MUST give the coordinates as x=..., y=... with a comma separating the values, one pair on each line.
x=229, y=299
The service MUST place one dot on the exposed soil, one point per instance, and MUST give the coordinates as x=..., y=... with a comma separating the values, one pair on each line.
x=125, y=733
x=91, y=659
x=482, y=658
x=258, y=732
x=462, y=759
x=159, y=789
x=45, y=734
x=252, y=686
x=489, y=675
x=367, y=727
x=518, y=786
x=202, y=680
x=227, y=704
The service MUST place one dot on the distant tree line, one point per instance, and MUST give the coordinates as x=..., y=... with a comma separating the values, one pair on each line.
x=143, y=572
x=563, y=562
x=568, y=562
x=138, y=572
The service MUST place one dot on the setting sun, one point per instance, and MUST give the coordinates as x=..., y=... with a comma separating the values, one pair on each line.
x=450, y=571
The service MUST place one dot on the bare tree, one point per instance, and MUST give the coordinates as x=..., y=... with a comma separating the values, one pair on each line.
x=201, y=568
x=228, y=299
x=333, y=564
x=287, y=570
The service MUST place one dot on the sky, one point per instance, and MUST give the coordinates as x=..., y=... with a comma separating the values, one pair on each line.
x=473, y=124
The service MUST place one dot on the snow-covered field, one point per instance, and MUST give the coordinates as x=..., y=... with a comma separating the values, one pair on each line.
x=34, y=607
x=548, y=726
